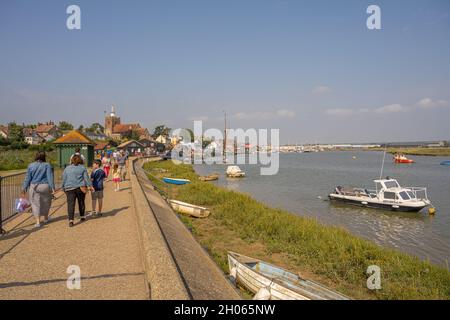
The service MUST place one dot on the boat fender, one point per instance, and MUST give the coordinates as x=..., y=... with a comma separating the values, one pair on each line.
x=262, y=294
x=431, y=211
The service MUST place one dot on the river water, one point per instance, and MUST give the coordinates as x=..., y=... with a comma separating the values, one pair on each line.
x=304, y=181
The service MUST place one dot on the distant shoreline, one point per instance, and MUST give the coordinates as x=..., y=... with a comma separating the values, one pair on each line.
x=432, y=152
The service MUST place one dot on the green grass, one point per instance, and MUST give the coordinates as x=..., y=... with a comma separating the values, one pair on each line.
x=330, y=253
x=19, y=159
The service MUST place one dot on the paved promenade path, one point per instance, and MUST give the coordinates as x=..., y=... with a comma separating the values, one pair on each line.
x=34, y=262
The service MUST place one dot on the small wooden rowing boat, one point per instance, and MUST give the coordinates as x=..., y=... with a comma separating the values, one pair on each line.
x=189, y=209
x=210, y=177
x=176, y=181
x=274, y=283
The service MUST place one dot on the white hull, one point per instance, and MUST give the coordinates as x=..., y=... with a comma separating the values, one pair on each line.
x=282, y=285
x=189, y=209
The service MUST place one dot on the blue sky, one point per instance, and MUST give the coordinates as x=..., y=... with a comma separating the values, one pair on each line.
x=310, y=68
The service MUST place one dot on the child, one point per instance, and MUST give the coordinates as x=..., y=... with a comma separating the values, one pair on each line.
x=106, y=162
x=116, y=176
x=97, y=177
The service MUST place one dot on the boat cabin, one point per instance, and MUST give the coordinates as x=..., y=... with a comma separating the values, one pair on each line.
x=390, y=190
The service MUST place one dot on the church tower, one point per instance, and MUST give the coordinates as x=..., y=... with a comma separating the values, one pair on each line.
x=110, y=122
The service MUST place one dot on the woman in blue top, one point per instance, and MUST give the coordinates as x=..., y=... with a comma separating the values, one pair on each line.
x=40, y=186
x=75, y=183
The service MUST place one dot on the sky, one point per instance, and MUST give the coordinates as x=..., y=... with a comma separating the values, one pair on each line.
x=309, y=68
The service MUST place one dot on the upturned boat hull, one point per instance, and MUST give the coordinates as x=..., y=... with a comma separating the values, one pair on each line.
x=189, y=209
x=176, y=181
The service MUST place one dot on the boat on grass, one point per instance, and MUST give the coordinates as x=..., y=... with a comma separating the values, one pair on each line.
x=388, y=195
x=189, y=209
x=210, y=177
x=176, y=181
x=235, y=172
x=270, y=282
x=445, y=163
x=400, y=158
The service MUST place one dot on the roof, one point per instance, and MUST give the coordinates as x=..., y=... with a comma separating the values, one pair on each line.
x=74, y=137
x=4, y=129
x=125, y=144
x=45, y=128
x=122, y=128
x=101, y=145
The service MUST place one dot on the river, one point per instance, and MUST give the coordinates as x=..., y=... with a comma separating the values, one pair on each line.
x=304, y=181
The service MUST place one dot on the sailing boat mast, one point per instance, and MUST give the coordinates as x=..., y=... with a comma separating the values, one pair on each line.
x=225, y=140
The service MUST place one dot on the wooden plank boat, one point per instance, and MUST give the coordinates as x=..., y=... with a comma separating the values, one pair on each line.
x=258, y=276
x=176, y=181
x=210, y=177
x=189, y=209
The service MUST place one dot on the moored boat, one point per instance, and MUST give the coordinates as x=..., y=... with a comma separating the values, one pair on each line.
x=445, y=163
x=189, y=209
x=176, y=181
x=210, y=177
x=235, y=172
x=400, y=158
x=271, y=282
x=388, y=195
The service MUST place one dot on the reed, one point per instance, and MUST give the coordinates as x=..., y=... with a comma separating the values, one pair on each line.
x=331, y=254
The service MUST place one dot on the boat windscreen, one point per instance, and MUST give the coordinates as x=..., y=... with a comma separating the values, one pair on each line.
x=391, y=184
x=404, y=195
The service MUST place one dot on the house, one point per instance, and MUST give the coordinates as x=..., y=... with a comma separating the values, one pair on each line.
x=96, y=136
x=133, y=147
x=32, y=137
x=4, y=132
x=118, y=131
x=149, y=146
x=48, y=129
x=161, y=139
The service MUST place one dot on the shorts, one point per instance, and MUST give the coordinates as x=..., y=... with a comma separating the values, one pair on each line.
x=97, y=195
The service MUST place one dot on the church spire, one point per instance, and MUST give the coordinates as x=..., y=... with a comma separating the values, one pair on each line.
x=113, y=111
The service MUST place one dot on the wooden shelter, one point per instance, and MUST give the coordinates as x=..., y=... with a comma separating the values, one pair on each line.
x=67, y=144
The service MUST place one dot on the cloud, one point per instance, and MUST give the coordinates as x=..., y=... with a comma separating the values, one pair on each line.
x=392, y=108
x=280, y=113
x=321, y=90
x=340, y=112
x=428, y=103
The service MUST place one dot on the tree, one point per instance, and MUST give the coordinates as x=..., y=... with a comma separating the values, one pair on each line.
x=132, y=135
x=161, y=130
x=81, y=128
x=191, y=133
x=64, y=125
x=95, y=128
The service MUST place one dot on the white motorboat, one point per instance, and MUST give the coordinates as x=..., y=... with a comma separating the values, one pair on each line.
x=388, y=194
x=235, y=172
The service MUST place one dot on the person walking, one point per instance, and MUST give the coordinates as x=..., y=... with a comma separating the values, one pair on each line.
x=121, y=162
x=97, y=177
x=106, y=163
x=40, y=186
x=116, y=177
x=75, y=184
x=77, y=153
